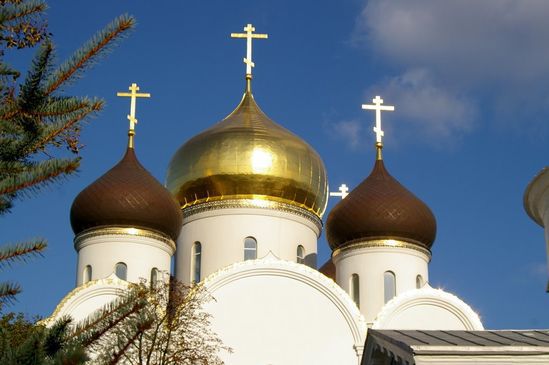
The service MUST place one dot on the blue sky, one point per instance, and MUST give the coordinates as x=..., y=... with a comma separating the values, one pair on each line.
x=469, y=79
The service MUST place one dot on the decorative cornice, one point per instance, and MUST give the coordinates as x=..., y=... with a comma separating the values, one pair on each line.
x=254, y=204
x=385, y=243
x=111, y=281
x=123, y=231
x=427, y=294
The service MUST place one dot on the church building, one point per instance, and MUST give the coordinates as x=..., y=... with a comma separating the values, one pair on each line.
x=241, y=211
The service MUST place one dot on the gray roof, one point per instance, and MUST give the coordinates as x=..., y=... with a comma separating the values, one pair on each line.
x=468, y=338
x=404, y=345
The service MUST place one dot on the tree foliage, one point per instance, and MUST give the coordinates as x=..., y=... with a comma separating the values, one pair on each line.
x=38, y=121
x=171, y=328
x=162, y=324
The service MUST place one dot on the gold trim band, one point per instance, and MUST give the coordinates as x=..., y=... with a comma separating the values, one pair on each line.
x=123, y=231
x=386, y=243
x=252, y=203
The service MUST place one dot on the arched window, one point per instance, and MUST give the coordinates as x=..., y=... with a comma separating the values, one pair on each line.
x=300, y=254
x=121, y=270
x=154, y=277
x=196, y=263
x=389, y=285
x=419, y=282
x=354, y=285
x=87, y=273
x=250, y=248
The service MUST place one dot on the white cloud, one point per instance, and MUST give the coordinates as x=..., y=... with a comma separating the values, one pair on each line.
x=494, y=51
x=430, y=109
x=469, y=41
x=349, y=131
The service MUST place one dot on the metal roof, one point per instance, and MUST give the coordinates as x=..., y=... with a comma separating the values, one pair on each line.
x=404, y=345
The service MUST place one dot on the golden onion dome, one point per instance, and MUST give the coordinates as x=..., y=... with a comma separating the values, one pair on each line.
x=248, y=156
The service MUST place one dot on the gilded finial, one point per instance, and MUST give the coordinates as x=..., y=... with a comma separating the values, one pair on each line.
x=249, y=35
x=377, y=129
x=133, y=94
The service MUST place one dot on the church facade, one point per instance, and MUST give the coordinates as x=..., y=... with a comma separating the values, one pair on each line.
x=242, y=212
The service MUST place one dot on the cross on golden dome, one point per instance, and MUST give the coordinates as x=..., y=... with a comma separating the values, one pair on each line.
x=133, y=95
x=249, y=35
x=377, y=129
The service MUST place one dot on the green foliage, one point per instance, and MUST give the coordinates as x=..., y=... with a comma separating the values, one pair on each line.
x=24, y=342
x=39, y=126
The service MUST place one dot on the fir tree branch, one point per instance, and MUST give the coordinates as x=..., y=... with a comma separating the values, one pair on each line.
x=42, y=174
x=8, y=291
x=7, y=71
x=31, y=93
x=90, y=51
x=54, y=107
x=22, y=10
x=52, y=131
x=107, y=318
x=20, y=251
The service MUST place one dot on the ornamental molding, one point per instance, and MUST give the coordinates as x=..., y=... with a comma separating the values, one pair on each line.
x=251, y=206
x=111, y=285
x=270, y=265
x=385, y=244
x=428, y=296
x=144, y=236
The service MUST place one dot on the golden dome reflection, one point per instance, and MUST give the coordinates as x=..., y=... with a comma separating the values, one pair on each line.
x=248, y=156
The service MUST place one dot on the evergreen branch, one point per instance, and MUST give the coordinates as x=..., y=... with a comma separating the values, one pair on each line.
x=22, y=10
x=21, y=251
x=8, y=291
x=54, y=107
x=52, y=131
x=91, y=50
x=39, y=175
x=107, y=318
x=55, y=336
x=31, y=93
x=7, y=71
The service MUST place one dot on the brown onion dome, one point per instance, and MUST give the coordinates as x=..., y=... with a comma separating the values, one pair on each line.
x=380, y=208
x=127, y=196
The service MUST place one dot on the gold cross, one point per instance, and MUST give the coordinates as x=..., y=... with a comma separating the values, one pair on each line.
x=378, y=108
x=249, y=35
x=131, y=117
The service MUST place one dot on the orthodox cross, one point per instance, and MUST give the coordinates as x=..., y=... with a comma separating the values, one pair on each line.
x=378, y=108
x=343, y=191
x=133, y=95
x=249, y=35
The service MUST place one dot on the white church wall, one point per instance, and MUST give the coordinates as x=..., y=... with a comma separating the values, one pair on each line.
x=222, y=232
x=140, y=254
x=370, y=264
x=276, y=312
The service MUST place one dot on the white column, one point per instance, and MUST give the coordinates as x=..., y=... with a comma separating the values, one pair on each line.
x=370, y=264
x=221, y=234
x=102, y=249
